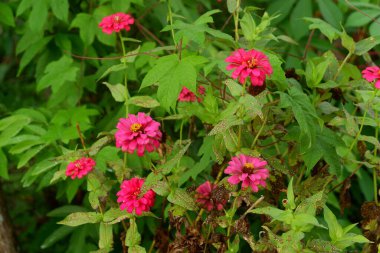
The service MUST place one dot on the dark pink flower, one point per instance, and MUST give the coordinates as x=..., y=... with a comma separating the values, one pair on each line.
x=130, y=199
x=139, y=133
x=372, y=74
x=201, y=90
x=186, y=95
x=79, y=168
x=116, y=22
x=208, y=197
x=253, y=64
x=251, y=171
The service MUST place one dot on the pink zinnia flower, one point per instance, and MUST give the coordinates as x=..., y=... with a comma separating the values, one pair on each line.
x=79, y=168
x=116, y=22
x=207, y=195
x=253, y=64
x=129, y=198
x=249, y=170
x=372, y=74
x=139, y=133
x=186, y=95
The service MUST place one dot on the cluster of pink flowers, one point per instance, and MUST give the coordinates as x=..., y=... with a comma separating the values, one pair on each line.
x=187, y=95
x=138, y=132
x=130, y=199
x=79, y=168
x=372, y=74
x=252, y=63
x=116, y=22
x=251, y=171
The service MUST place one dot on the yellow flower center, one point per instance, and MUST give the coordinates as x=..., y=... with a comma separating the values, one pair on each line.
x=248, y=168
x=135, y=127
x=116, y=19
x=252, y=63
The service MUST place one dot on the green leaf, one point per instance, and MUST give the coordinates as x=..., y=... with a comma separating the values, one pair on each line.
x=23, y=6
x=63, y=211
x=6, y=15
x=302, y=9
x=278, y=75
x=133, y=236
x=60, y=9
x=310, y=205
x=80, y=218
x=162, y=67
x=113, y=68
x=24, y=159
x=118, y=91
x=322, y=246
x=87, y=27
x=231, y=5
x=38, y=15
x=330, y=32
x=115, y=215
x=365, y=45
x=348, y=42
x=225, y=124
x=31, y=51
x=290, y=195
x=144, y=101
x=105, y=236
x=206, y=17
x=136, y=249
x=58, y=73
x=180, y=197
x=56, y=236
x=248, y=26
x=357, y=19
x=335, y=230
x=3, y=165
x=169, y=165
x=230, y=140
x=235, y=88
x=330, y=12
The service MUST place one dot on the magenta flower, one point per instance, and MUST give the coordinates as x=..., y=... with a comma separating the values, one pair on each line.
x=139, y=133
x=129, y=198
x=253, y=64
x=372, y=74
x=79, y=168
x=208, y=197
x=116, y=22
x=251, y=171
x=187, y=95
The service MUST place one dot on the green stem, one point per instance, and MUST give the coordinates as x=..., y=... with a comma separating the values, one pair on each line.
x=259, y=132
x=125, y=75
x=170, y=16
x=341, y=65
x=362, y=123
x=240, y=126
x=236, y=20
x=374, y=172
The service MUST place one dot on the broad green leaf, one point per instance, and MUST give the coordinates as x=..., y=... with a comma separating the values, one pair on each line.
x=322, y=246
x=113, y=68
x=39, y=15
x=335, y=230
x=348, y=42
x=310, y=205
x=6, y=15
x=105, y=236
x=230, y=140
x=169, y=165
x=24, y=159
x=330, y=32
x=31, y=51
x=43, y=166
x=57, y=73
x=63, y=211
x=56, y=236
x=80, y=218
x=278, y=75
x=330, y=12
x=143, y=101
x=363, y=46
x=225, y=124
x=136, y=249
x=235, y=88
x=231, y=5
x=133, y=236
x=60, y=9
x=118, y=91
x=162, y=67
x=115, y=215
x=302, y=9
x=87, y=27
x=357, y=19
x=23, y=6
x=248, y=26
x=180, y=197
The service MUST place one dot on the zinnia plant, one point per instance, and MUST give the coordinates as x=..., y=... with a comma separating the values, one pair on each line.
x=79, y=168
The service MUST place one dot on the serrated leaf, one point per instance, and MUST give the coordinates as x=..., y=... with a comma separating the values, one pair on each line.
x=118, y=91
x=330, y=32
x=162, y=67
x=80, y=218
x=182, y=198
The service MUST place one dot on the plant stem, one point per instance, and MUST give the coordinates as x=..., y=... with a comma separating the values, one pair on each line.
x=374, y=172
x=170, y=16
x=341, y=65
x=259, y=132
x=236, y=20
x=125, y=75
